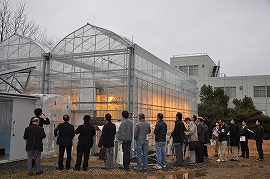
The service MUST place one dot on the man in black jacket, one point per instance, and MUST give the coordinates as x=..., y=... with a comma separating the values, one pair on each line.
x=234, y=139
x=34, y=146
x=160, y=138
x=244, y=133
x=223, y=140
x=87, y=132
x=64, y=133
x=178, y=139
x=38, y=113
x=107, y=141
x=201, y=130
x=259, y=139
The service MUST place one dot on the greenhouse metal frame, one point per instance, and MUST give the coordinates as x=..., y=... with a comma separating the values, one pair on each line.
x=100, y=72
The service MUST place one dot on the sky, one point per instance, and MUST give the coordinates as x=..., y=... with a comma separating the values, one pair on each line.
x=235, y=33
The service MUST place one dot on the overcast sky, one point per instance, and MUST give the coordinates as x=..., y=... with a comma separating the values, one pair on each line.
x=234, y=32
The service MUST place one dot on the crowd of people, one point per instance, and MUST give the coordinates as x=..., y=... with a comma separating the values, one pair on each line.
x=191, y=133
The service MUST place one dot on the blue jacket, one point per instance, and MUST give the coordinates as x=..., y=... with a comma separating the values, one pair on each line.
x=160, y=131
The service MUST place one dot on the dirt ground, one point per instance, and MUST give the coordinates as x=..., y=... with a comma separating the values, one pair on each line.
x=244, y=169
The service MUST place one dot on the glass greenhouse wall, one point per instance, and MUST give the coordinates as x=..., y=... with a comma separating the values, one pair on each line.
x=99, y=72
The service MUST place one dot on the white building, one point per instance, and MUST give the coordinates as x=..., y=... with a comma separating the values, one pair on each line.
x=203, y=69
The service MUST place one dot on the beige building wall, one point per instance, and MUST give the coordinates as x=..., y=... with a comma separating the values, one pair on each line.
x=240, y=85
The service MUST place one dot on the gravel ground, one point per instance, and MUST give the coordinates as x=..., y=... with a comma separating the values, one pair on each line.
x=246, y=168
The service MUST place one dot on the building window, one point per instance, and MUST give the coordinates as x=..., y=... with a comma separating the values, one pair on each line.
x=261, y=91
x=229, y=91
x=184, y=69
x=192, y=70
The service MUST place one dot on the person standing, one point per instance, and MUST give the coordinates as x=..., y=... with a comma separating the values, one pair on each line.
x=259, y=139
x=124, y=136
x=142, y=129
x=223, y=140
x=201, y=136
x=215, y=140
x=234, y=139
x=160, y=132
x=38, y=113
x=34, y=146
x=106, y=141
x=192, y=135
x=207, y=140
x=87, y=132
x=64, y=133
x=178, y=139
x=244, y=132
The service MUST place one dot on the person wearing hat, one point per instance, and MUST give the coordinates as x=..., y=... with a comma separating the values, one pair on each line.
x=34, y=135
x=142, y=129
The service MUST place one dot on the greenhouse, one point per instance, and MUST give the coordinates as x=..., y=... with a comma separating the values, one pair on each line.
x=99, y=72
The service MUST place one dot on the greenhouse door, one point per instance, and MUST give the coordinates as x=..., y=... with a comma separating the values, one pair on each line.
x=22, y=113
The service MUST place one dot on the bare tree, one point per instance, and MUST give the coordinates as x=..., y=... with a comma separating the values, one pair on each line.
x=5, y=19
x=14, y=20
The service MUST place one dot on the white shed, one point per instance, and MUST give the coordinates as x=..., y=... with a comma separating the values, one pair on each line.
x=15, y=113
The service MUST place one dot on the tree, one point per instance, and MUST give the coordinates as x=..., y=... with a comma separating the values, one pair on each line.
x=214, y=105
x=14, y=20
x=245, y=110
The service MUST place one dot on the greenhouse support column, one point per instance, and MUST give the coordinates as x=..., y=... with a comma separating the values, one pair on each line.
x=45, y=73
x=131, y=66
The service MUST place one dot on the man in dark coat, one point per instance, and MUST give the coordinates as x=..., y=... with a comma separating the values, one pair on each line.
x=234, y=139
x=38, y=113
x=107, y=141
x=244, y=133
x=160, y=132
x=201, y=135
x=178, y=139
x=64, y=133
x=34, y=146
x=87, y=132
x=259, y=139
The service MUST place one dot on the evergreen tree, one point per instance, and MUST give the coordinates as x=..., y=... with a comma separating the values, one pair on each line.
x=245, y=110
x=214, y=105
